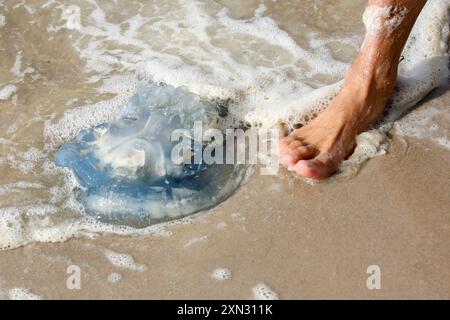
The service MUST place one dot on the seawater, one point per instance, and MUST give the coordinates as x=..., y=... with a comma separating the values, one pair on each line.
x=69, y=66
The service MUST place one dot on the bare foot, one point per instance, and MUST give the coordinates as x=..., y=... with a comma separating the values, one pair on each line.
x=316, y=149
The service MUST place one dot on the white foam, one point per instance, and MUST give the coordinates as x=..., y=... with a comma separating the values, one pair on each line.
x=387, y=18
x=23, y=4
x=221, y=274
x=195, y=241
x=72, y=16
x=114, y=277
x=221, y=225
x=238, y=216
x=424, y=124
x=19, y=186
x=2, y=20
x=213, y=71
x=267, y=29
x=263, y=292
x=89, y=116
x=22, y=294
x=255, y=91
x=16, y=69
x=369, y=144
x=125, y=261
x=7, y=91
x=40, y=223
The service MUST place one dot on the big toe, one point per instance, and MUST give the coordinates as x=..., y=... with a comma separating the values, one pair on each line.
x=318, y=168
x=290, y=155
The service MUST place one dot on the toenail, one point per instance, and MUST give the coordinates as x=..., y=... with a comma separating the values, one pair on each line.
x=287, y=158
x=306, y=163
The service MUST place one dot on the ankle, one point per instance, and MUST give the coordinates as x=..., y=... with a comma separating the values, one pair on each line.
x=370, y=87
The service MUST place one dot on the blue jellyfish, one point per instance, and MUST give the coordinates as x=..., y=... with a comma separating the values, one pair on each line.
x=125, y=167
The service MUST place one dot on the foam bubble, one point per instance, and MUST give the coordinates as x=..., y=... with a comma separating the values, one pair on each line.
x=221, y=274
x=20, y=226
x=221, y=225
x=368, y=145
x=72, y=16
x=22, y=294
x=7, y=91
x=195, y=241
x=125, y=261
x=263, y=292
x=425, y=124
x=88, y=116
x=16, y=69
x=377, y=18
x=114, y=277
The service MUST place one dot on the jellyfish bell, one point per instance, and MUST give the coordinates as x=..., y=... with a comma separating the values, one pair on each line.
x=126, y=168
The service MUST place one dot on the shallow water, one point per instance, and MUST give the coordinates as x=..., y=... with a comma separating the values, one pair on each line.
x=71, y=65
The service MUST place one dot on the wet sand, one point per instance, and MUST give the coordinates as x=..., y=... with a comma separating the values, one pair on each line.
x=303, y=241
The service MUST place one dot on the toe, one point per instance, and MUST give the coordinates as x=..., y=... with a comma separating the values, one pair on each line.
x=295, y=144
x=286, y=150
x=284, y=143
x=318, y=168
x=306, y=152
x=296, y=150
x=288, y=157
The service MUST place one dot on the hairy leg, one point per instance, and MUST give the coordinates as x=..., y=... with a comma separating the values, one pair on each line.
x=317, y=149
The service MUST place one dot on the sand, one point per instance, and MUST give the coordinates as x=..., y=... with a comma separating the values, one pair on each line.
x=303, y=241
